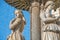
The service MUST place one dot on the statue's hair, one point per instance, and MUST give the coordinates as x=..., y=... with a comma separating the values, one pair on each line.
x=48, y=3
x=18, y=10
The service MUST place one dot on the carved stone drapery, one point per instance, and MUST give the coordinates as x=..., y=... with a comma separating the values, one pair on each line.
x=49, y=29
x=17, y=26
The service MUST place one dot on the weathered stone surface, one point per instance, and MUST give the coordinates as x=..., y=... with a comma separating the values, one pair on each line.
x=49, y=29
x=17, y=26
x=35, y=21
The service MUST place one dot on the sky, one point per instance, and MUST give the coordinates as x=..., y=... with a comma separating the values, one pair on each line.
x=6, y=15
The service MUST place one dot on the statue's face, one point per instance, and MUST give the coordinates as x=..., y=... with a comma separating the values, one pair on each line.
x=17, y=13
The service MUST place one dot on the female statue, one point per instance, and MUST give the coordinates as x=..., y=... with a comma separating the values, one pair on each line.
x=50, y=30
x=17, y=26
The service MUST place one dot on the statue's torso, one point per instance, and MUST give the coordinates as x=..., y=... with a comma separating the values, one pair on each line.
x=50, y=31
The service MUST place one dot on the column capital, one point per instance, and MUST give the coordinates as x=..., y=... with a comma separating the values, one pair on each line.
x=35, y=4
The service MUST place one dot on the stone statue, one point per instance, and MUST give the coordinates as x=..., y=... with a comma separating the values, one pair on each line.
x=50, y=30
x=17, y=26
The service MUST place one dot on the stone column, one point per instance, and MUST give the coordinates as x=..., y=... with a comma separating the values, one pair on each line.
x=35, y=21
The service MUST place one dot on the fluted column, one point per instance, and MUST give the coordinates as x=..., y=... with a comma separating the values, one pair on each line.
x=35, y=21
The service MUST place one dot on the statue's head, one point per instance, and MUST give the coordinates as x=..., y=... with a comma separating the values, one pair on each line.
x=49, y=4
x=18, y=13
